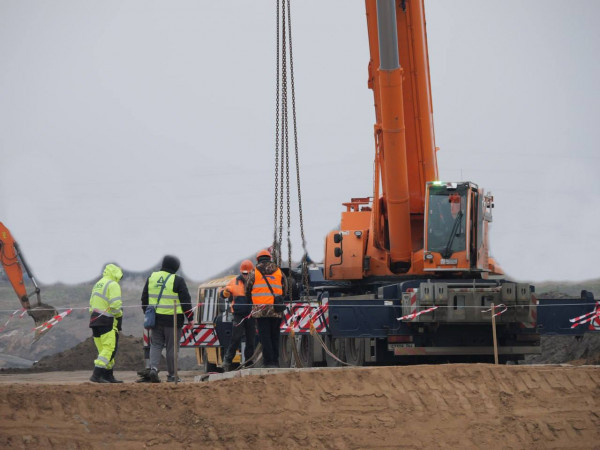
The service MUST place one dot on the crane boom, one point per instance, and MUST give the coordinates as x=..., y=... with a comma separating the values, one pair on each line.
x=402, y=230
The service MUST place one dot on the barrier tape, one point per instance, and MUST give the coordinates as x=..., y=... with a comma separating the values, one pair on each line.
x=593, y=318
x=338, y=305
x=56, y=319
x=249, y=316
x=501, y=305
x=318, y=314
x=416, y=314
x=23, y=312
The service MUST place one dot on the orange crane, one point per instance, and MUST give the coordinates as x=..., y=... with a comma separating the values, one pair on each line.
x=414, y=225
x=418, y=242
x=13, y=263
x=408, y=277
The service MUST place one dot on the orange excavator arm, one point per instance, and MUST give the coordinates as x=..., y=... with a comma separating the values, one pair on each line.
x=13, y=263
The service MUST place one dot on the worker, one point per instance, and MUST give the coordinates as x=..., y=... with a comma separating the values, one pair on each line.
x=106, y=317
x=173, y=292
x=268, y=320
x=243, y=323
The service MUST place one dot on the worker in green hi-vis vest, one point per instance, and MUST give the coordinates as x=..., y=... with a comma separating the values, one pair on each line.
x=164, y=290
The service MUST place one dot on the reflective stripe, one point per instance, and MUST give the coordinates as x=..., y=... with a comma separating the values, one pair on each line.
x=273, y=285
x=169, y=300
x=261, y=294
x=102, y=312
x=101, y=304
x=103, y=359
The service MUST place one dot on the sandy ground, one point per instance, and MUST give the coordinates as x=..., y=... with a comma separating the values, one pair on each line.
x=456, y=406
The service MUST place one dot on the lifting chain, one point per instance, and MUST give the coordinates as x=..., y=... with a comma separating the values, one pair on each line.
x=282, y=160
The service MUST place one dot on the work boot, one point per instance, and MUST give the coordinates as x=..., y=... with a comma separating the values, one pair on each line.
x=98, y=376
x=110, y=377
x=154, y=376
x=171, y=379
x=144, y=375
x=226, y=367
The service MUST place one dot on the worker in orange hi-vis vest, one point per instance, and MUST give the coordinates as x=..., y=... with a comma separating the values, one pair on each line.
x=244, y=324
x=268, y=319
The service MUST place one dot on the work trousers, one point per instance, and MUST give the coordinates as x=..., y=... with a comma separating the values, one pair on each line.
x=268, y=333
x=106, y=340
x=246, y=328
x=161, y=336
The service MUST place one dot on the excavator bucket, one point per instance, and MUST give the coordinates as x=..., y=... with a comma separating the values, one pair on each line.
x=42, y=313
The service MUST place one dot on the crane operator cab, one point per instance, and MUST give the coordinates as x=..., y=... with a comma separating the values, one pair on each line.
x=456, y=224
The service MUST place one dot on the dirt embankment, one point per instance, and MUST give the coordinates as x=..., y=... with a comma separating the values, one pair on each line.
x=130, y=356
x=457, y=406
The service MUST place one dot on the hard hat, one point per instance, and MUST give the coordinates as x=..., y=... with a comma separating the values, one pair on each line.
x=263, y=254
x=246, y=266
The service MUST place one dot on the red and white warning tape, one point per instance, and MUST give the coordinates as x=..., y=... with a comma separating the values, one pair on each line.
x=23, y=311
x=411, y=316
x=501, y=305
x=593, y=318
x=47, y=325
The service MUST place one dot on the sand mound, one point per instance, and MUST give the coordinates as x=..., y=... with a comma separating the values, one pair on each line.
x=458, y=406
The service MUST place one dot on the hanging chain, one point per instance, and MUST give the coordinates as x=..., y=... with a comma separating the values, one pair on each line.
x=276, y=248
x=305, y=281
x=284, y=120
x=282, y=157
x=285, y=131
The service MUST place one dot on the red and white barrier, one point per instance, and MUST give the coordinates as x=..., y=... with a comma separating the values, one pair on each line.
x=200, y=335
x=414, y=315
x=299, y=316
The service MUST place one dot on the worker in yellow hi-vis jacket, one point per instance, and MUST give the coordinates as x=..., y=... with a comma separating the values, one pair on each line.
x=106, y=316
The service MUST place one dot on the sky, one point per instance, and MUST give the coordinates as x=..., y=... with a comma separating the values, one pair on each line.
x=132, y=129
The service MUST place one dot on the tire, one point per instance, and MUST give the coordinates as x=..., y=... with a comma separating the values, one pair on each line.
x=354, y=349
x=335, y=346
x=285, y=351
x=208, y=367
x=306, y=350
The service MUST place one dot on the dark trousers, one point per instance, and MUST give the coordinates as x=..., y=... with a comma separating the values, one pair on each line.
x=268, y=333
x=246, y=328
x=161, y=336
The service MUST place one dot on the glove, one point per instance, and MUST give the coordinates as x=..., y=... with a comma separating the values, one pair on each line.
x=119, y=323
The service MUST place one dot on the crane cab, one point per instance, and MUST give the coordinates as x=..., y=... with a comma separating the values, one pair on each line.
x=456, y=228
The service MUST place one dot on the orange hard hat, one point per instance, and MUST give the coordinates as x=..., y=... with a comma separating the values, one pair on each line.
x=246, y=266
x=262, y=254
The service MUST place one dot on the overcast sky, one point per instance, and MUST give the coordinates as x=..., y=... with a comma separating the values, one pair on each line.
x=131, y=129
